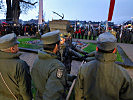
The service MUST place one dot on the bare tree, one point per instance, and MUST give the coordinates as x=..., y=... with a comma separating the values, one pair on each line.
x=9, y=10
x=1, y=4
x=62, y=16
x=15, y=7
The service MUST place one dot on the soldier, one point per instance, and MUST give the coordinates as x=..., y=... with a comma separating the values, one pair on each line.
x=48, y=73
x=95, y=32
x=90, y=32
x=82, y=32
x=70, y=29
x=45, y=29
x=69, y=51
x=76, y=33
x=118, y=35
x=68, y=38
x=102, y=79
x=86, y=32
x=15, y=80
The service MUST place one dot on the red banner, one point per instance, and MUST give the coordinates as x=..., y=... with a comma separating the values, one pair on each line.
x=111, y=9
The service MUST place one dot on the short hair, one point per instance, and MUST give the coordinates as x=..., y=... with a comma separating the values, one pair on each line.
x=50, y=47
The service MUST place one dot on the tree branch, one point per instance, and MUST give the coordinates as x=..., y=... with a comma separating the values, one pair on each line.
x=59, y=14
x=28, y=2
x=1, y=4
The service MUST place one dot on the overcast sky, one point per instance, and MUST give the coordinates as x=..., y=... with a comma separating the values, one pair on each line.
x=94, y=10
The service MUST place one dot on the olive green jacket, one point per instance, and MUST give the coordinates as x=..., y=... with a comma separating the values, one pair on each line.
x=17, y=77
x=46, y=29
x=102, y=79
x=48, y=75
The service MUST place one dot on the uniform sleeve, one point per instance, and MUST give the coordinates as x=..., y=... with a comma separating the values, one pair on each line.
x=75, y=53
x=54, y=88
x=91, y=54
x=80, y=51
x=126, y=92
x=24, y=81
x=79, y=87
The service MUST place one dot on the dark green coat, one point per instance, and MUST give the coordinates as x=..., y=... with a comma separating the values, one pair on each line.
x=48, y=75
x=46, y=29
x=66, y=56
x=102, y=79
x=16, y=75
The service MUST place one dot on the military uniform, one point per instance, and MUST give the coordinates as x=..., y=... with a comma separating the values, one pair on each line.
x=70, y=29
x=14, y=73
x=48, y=73
x=68, y=53
x=66, y=57
x=102, y=79
x=45, y=29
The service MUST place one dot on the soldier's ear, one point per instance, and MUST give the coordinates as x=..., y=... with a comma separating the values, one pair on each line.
x=12, y=49
x=96, y=48
x=114, y=50
x=56, y=48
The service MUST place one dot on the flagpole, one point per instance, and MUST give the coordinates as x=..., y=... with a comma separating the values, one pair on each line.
x=40, y=13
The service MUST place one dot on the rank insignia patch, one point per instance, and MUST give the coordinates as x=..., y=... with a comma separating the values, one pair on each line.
x=59, y=73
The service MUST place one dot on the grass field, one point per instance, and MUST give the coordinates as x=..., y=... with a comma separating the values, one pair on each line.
x=24, y=44
x=26, y=39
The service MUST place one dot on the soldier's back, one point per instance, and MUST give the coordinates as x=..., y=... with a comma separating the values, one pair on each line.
x=12, y=75
x=47, y=71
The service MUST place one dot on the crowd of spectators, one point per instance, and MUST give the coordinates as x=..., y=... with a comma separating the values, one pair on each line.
x=85, y=32
x=19, y=30
x=124, y=35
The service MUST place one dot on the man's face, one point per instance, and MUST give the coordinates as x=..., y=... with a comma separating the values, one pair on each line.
x=62, y=41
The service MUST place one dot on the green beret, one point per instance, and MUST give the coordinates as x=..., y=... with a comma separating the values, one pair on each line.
x=8, y=41
x=106, y=41
x=51, y=37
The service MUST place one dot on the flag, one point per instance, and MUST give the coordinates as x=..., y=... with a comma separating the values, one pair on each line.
x=40, y=12
x=111, y=9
